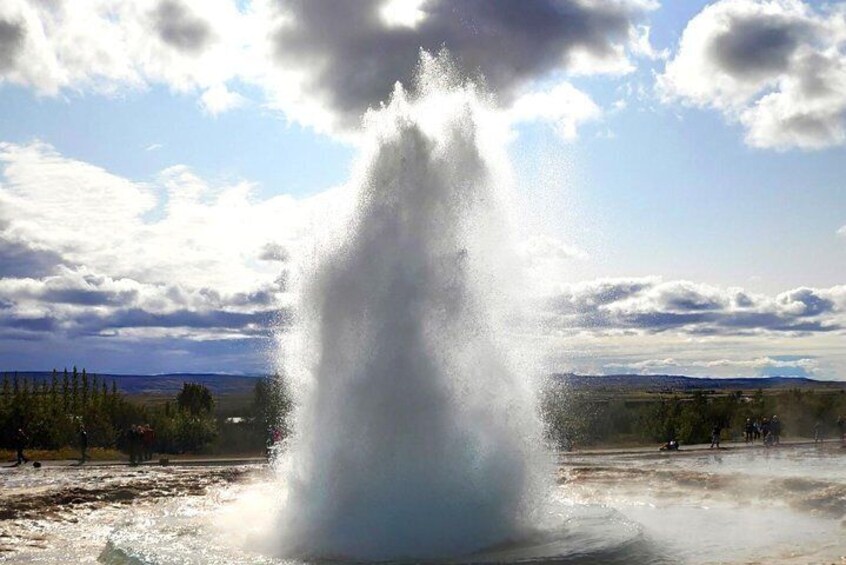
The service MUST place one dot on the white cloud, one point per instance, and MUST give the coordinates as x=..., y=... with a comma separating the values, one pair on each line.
x=642, y=46
x=218, y=99
x=204, y=235
x=63, y=203
x=842, y=231
x=402, y=13
x=651, y=305
x=778, y=67
x=87, y=254
x=756, y=363
x=764, y=365
x=564, y=106
x=106, y=47
x=153, y=147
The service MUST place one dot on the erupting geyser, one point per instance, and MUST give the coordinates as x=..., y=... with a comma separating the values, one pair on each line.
x=416, y=433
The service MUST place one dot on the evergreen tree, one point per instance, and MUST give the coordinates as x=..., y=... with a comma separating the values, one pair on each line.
x=195, y=399
x=65, y=391
x=75, y=391
x=54, y=390
x=85, y=390
x=95, y=391
x=7, y=391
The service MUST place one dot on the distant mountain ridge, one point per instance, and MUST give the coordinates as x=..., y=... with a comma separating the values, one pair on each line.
x=657, y=383
x=165, y=384
x=168, y=384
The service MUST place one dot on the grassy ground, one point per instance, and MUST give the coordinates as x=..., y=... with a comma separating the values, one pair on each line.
x=101, y=454
x=94, y=454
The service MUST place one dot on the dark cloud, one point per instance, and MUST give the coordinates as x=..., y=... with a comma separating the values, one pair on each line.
x=598, y=294
x=686, y=299
x=274, y=252
x=255, y=298
x=36, y=324
x=755, y=46
x=354, y=58
x=813, y=304
x=608, y=292
x=88, y=297
x=258, y=323
x=178, y=27
x=743, y=300
x=18, y=259
x=11, y=41
x=217, y=319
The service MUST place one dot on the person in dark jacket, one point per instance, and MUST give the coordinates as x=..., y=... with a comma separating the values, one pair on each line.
x=715, y=436
x=775, y=429
x=83, y=444
x=749, y=431
x=21, y=440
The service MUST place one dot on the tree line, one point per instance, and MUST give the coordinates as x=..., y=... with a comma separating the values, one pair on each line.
x=589, y=418
x=53, y=411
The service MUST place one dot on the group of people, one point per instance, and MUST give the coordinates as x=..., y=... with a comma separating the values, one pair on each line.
x=140, y=440
x=767, y=430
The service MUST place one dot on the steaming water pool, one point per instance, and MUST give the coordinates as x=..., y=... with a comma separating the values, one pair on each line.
x=740, y=506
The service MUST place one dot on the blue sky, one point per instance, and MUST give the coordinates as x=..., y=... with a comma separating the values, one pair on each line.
x=681, y=154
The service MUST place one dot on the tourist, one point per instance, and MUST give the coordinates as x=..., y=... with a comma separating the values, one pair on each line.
x=274, y=439
x=841, y=427
x=21, y=440
x=757, y=434
x=148, y=438
x=775, y=428
x=671, y=445
x=135, y=441
x=715, y=436
x=83, y=444
x=818, y=438
x=766, y=432
x=749, y=430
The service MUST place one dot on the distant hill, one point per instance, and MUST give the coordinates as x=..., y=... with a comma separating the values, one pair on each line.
x=658, y=383
x=226, y=384
x=166, y=384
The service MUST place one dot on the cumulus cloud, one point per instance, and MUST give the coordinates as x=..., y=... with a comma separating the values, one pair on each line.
x=351, y=54
x=218, y=99
x=93, y=258
x=778, y=67
x=85, y=253
x=21, y=259
x=105, y=47
x=564, y=106
x=650, y=305
x=322, y=63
